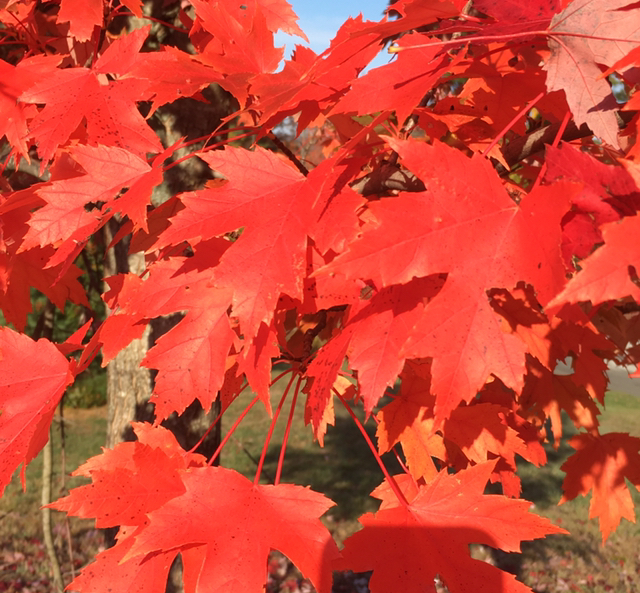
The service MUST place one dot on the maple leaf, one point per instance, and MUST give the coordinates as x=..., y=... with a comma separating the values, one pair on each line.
x=311, y=84
x=470, y=211
x=191, y=358
x=236, y=39
x=21, y=271
x=491, y=99
x=168, y=74
x=408, y=420
x=17, y=79
x=281, y=17
x=609, y=272
x=65, y=222
x=125, y=483
x=82, y=15
x=373, y=337
x=552, y=393
x=600, y=465
x=274, y=205
x=609, y=191
x=481, y=431
x=599, y=32
x=323, y=374
x=381, y=330
x=34, y=376
x=233, y=523
x=74, y=94
x=108, y=572
x=399, y=85
x=408, y=546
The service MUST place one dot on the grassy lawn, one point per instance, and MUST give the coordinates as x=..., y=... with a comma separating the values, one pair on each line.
x=346, y=471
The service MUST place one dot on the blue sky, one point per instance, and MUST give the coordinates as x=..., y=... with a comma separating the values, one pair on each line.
x=321, y=19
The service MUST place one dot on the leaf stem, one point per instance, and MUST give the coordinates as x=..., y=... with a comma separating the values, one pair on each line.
x=218, y=417
x=267, y=440
x=232, y=429
x=518, y=116
x=507, y=37
x=394, y=485
x=285, y=438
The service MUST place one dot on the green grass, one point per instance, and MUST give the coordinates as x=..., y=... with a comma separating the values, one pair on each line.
x=621, y=414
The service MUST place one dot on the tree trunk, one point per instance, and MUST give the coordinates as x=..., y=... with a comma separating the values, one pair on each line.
x=128, y=384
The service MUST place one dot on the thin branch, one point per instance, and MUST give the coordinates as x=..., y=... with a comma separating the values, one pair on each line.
x=287, y=152
x=47, y=470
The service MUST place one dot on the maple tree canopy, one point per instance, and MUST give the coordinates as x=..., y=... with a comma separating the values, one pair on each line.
x=451, y=224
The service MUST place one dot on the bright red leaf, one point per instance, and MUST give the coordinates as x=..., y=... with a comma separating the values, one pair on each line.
x=610, y=271
x=600, y=465
x=233, y=524
x=600, y=32
x=34, y=376
x=408, y=546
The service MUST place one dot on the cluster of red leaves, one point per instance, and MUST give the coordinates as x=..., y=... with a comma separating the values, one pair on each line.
x=419, y=249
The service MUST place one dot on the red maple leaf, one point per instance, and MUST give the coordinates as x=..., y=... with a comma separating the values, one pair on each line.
x=610, y=271
x=66, y=222
x=598, y=31
x=125, y=483
x=82, y=15
x=224, y=526
x=600, y=465
x=408, y=420
x=191, y=357
x=74, y=94
x=108, y=572
x=274, y=205
x=34, y=376
x=418, y=234
x=399, y=85
x=408, y=546
x=17, y=79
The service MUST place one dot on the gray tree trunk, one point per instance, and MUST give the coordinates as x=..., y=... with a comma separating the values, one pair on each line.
x=128, y=384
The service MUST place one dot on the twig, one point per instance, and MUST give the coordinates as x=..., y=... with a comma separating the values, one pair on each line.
x=47, y=469
x=292, y=157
